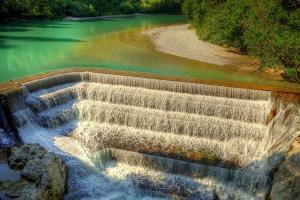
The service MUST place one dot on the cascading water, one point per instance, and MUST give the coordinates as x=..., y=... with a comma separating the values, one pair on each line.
x=134, y=138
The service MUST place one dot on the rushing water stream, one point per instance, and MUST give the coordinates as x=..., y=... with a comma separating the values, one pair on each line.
x=135, y=138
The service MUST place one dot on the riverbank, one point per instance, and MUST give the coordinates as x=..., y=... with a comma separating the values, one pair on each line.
x=180, y=40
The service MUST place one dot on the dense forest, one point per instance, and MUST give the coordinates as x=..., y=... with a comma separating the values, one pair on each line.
x=268, y=29
x=60, y=8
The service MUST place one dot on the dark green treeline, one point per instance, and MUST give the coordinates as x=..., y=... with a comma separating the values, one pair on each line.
x=60, y=8
x=268, y=29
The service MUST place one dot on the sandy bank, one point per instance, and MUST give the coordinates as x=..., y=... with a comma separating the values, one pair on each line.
x=181, y=41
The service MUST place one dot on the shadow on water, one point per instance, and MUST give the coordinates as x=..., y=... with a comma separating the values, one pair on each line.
x=13, y=29
x=38, y=39
x=14, y=26
x=3, y=45
x=108, y=18
x=100, y=19
x=20, y=26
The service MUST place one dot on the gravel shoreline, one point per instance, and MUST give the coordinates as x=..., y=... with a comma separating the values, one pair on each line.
x=181, y=41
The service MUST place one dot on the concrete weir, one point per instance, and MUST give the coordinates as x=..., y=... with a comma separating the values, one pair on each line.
x=141, y=138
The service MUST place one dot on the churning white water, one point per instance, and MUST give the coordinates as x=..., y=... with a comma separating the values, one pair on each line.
x=134, y=138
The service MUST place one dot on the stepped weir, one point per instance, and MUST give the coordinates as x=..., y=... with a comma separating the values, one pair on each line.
x=127, y=137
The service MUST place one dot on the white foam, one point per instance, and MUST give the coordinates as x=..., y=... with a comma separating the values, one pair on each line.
x=86, y=113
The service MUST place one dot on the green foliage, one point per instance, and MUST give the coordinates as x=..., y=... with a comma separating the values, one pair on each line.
x=275, y=36
x=58, y=8
x=12, y=8
x=223, y=24
x=268, y=29
x=161, y=6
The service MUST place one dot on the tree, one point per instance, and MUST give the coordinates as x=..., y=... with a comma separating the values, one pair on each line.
x=268, y=29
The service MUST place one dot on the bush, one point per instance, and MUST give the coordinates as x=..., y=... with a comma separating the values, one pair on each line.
x=189, y=7
x=127, y=7
x=161, y=6
x=268, y=29
x=272, y=33
x=224, y=24
x=59, y=8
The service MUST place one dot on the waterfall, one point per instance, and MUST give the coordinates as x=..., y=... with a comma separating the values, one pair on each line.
x=138, y=138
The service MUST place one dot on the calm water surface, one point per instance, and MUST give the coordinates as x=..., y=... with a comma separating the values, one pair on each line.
x=38, y=46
